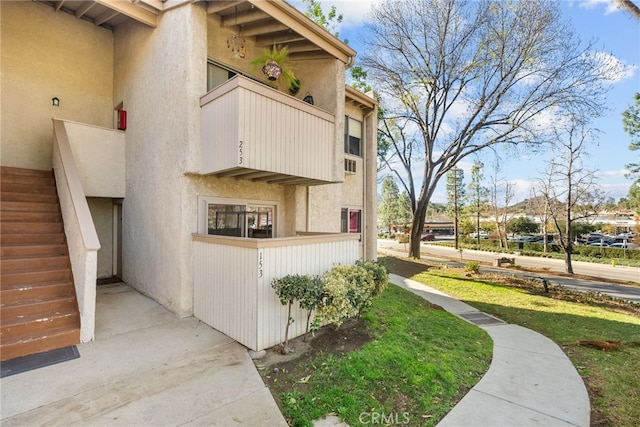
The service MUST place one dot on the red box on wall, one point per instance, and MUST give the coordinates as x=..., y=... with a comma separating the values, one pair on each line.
x=122, y=120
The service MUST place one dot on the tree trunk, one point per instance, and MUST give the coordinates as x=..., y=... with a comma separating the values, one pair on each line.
x=567, y=260
x=416, y=229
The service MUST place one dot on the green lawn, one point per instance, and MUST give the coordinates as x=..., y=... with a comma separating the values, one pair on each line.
x=611, y=376
x=418, y=364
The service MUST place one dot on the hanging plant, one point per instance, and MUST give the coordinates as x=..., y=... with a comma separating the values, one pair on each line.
x=275, y=64
x=294, y=87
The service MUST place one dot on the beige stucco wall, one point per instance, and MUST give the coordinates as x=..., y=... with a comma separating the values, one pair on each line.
x=160, y=87
x=100, y=159
x=102, y=214
x=46, y=54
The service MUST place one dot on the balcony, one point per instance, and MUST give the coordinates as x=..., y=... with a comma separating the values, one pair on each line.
x=251, y=131
x=232, y=281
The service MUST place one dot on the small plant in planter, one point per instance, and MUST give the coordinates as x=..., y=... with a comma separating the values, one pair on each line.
x=275, y=64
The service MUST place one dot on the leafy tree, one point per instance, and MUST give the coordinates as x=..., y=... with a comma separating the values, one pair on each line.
x=404, y=207
x=455, y=197
x=461, y=76
x=631, y=123
x=329, y=21
x=633, y=197
x=389, y=207
x=478, y=195
x=466, y=226
x=522, y=225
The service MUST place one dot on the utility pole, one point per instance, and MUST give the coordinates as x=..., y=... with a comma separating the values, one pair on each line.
x=455, y=206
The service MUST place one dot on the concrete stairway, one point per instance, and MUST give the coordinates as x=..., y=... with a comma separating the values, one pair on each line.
x=38, y=307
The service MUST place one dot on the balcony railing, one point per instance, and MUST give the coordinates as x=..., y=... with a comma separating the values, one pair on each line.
x=232, y=281
x=251, y=131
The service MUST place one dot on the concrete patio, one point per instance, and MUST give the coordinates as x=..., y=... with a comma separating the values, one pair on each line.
x=146, y=367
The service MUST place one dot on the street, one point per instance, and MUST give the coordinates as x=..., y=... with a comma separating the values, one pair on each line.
x=599, y=274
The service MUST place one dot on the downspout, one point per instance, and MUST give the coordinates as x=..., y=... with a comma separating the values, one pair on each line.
x=366, y=188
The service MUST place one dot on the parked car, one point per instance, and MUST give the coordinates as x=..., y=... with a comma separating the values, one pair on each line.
x=483, y=235
x=624, y=246
x=602, y=244
x=429, y=237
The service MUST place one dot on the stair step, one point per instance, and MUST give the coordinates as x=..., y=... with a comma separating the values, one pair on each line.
x=41, y=307
x=30, y=180
x=35, y=325
x=28, y=207
x=8, y=187
x=26, y=278
x=8, y=196
x=9, y=170
x=23, y=346
x=37, y=263
x=30, y=227
x=18, y=251
x=31, y=291
x=32, y=239
x=31, y=216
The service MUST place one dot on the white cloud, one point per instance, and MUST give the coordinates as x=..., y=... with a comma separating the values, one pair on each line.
x=354, y=12
x=619, y=174
x=613, y=69
x=610, y=7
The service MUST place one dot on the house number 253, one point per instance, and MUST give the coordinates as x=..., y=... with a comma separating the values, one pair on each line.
x=260, y=265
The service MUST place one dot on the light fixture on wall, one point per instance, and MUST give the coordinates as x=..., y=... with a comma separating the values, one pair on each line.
x=55, y=101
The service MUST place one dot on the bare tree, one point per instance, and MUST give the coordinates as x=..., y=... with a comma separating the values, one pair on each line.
x=501, y=195
x=570, y=187
x=457, y=77
x=539, y=203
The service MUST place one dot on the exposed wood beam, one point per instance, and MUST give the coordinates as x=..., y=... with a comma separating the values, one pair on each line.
x=84, y=8
x=59, y=4
x=234, y=173
x=105, y=16
x=282, y=38
x=270, y=27
x=245, y=18
x=299, y=23
x=303, y=47
x=132, y=11
x=287, y=180
x=300, y=56
x=221, y=6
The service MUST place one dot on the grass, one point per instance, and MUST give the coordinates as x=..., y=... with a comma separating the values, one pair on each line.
x=572, y=322
x=410, y=371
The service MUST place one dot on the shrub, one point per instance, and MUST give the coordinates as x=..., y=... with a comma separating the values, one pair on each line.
x=380, y=274
x=336, y=306
x=289, y=289
x=472, y=266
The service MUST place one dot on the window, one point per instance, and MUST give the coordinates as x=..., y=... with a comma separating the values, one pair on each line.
x=238, y=219
x=217, y=74
x=350, y=220
x=352, y=136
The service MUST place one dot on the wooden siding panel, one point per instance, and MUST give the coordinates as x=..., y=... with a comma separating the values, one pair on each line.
x=232, y=286
x=280, y=134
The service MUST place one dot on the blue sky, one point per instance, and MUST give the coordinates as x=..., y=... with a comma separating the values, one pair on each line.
x=616, y=34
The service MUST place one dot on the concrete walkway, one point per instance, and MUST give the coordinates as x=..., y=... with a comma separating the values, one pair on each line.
x=530, y=381
x=146, y=368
